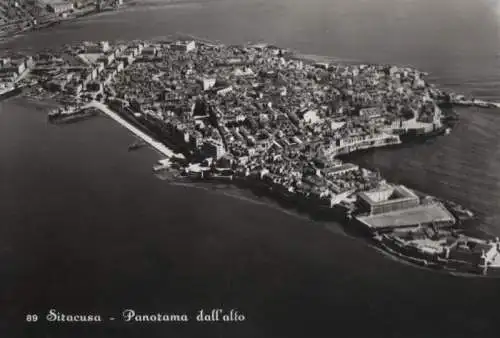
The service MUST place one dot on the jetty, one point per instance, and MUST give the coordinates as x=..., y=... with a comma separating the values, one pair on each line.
x=158, y=146
x=474, y=103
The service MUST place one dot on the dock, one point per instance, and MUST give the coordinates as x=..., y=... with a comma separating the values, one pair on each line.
x=160, y=147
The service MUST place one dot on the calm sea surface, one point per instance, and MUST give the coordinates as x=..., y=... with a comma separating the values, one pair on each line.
x=87, y=228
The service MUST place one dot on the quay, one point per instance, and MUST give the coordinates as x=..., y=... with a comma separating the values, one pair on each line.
x=160, y=147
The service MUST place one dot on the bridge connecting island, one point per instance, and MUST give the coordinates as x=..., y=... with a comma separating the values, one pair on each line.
x=261, y=117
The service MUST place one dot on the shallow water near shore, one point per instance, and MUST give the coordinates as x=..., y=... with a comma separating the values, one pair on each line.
x=87, y=227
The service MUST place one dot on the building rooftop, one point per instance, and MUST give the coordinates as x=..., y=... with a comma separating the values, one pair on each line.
x=422, y=214
x=387, y=193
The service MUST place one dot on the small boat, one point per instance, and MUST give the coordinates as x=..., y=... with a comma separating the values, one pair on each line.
x=162, y=165
x=136, y=145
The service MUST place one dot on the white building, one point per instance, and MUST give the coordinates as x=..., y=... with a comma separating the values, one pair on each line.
x=104, y=46
x=245, y=72
x=184, y=46
x=225, y=90
x=4, y=61
x=119, y=66
x=208, y=83
x=59, y=7
x=107, y=59
x=151, y=50
x=15, y=66
x=312, y=117
x=213, y=148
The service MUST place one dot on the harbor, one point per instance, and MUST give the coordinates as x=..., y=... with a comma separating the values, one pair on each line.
x=158, y=146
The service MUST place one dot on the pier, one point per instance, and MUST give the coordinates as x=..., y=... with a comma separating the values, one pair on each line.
x=475, y=103
x=160, y=147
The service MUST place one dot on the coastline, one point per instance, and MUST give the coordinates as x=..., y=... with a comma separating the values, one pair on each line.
x=250, y=192
x=335, y=227
x=301, y=203
x=345, y=226
x=146, y=243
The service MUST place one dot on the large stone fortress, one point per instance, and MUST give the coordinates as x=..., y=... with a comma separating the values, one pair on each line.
x=390, y=207
x=387, y=199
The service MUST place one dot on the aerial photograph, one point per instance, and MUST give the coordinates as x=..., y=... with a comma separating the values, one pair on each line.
x=249, y=168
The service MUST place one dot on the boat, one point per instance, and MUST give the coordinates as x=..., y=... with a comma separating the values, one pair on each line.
x=10, y=92
x=72, y=114
x=221, y=176
x=136, y=145
x=162, y=165
x=458, y=211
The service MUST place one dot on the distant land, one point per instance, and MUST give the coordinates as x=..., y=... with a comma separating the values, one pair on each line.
x=23, y=16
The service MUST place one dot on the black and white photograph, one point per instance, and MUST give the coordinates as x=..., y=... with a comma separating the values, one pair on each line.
x=249, y=168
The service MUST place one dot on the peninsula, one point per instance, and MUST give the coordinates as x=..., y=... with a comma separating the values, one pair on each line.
x=261, y=117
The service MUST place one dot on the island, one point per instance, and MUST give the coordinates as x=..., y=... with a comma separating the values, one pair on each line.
x=266, y=118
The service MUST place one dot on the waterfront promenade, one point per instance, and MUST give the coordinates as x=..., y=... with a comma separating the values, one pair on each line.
x=160, y=147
